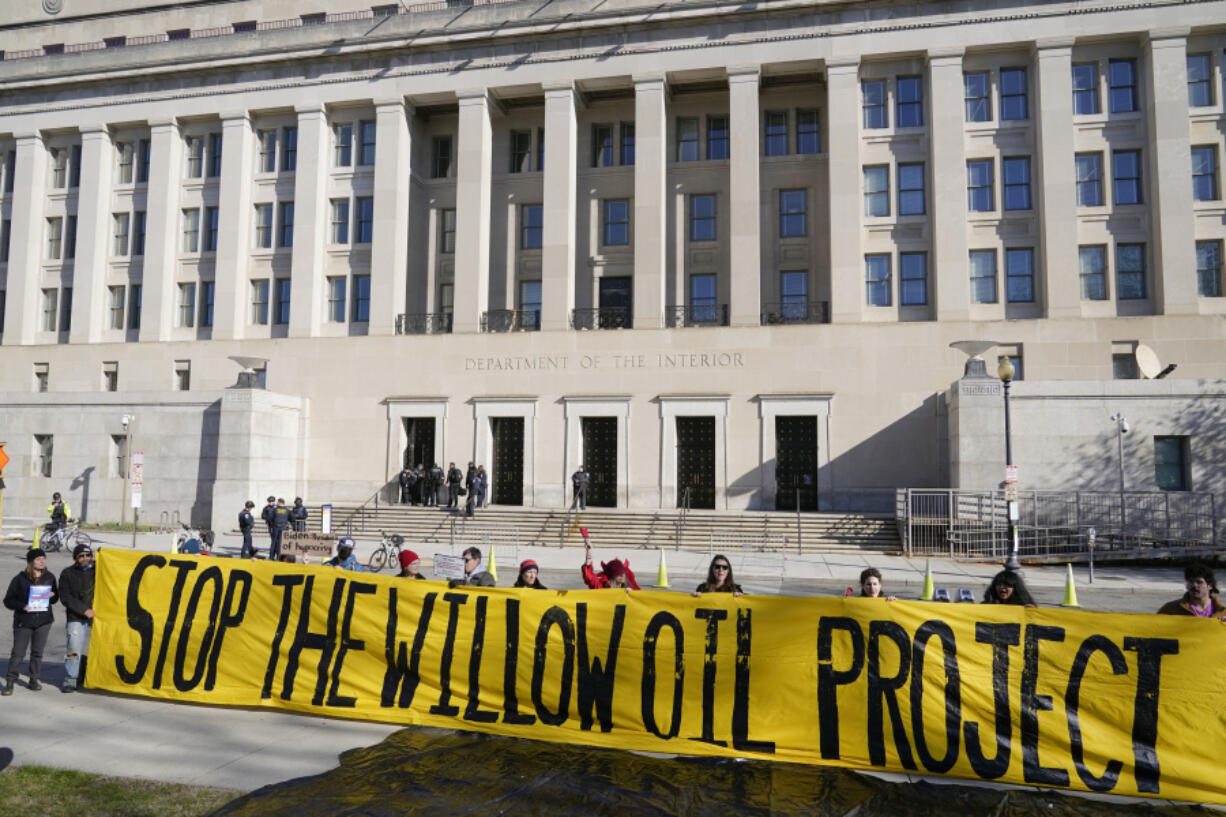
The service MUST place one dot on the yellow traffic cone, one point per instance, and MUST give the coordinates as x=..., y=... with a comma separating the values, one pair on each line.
x=493, y=569
x=927, y=594
x=1070, y=590
x=662, y=576
x=38, y=529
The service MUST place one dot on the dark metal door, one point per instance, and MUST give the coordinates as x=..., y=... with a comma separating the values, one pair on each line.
x=600, y=460
x=696, y=461
x=616, y=302
x=419, y=448
x=508, y=467
x=796, y=463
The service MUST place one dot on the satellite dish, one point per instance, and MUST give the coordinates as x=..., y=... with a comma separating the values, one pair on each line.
x=1147, y=361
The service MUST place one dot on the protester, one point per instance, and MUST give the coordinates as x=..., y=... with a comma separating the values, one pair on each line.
x=344, y=558
x=529, y=575
x=410, y=564
x=77, y=594
x=298, y=514
x=246, y=524
x=870, y=585
x=1201, y=599
x=612, y=574
x=30, y=596
x=1007, y=587
x=719, y=578
x=474, y=574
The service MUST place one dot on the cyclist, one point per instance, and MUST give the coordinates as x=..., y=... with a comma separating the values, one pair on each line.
x=60, y=514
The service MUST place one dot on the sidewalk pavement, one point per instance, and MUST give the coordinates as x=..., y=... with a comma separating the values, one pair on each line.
x=244, y=749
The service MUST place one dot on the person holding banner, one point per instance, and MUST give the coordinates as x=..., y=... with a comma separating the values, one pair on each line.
x=344, y=558
x=870, y=584
x=30, y=596
x=1008, y=588
x=719, y=578
x=612, y=574
x=410, y=565
x=1201, y=599
x=528, y=575
x=474, y=575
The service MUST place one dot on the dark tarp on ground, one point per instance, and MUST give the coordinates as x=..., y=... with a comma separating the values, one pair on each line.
x=438, y=773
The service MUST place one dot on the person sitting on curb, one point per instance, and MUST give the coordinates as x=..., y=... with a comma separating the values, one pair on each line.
x=344, y=558
x=870, y=585
x=1201, y=599
x=612, y=574
x=410, y=565
x=474, y=574
x=719, y=578
x=529, y=576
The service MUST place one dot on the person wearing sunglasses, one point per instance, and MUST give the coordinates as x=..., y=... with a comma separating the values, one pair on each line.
x=474, y=574
x=719, y=578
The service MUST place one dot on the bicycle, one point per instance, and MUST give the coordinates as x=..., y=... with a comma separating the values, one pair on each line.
x=388, y=552
x=66, y=537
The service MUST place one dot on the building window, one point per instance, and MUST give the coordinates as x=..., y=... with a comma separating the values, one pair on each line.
x=44, y=445
x=977, y=96
x=135, y=296
x=74, y=166
x=361, y=299
x=214, y=164
x=1171, y=463
x=1089, y=179
x=191, y=230
x=342, y=144
x=1209, y=269
x=909, y=105
x=1126, y=176
x=703, y=298
x=911, y=189
x=625, y=148
x=521, y=151
x=1122, y=82
x=980, y=195
x=1019, y=275
x=913, y=278
x=110, y=375
x=1204, y=173
x=187, y=305
x=55, y=237
x=281, y=301
x=983, y=276
x=446, y=231
x=263, y=226
x=119, y=455
x=531, y=226
x=70, y=238
x=616, y=229
x=793, y=213
x=208, y=290
x=363, y=230
x=1124, y=366
x=138, y=234
x=268, y=151
x=794, y=294
x=6, y=237
x=873, y=111
x=808, y=132
x=119, y=234
x=289, y=149
x=440, y=157
x=59, y=168
x=1092, y=267
x=183, y=375
x=42, y=377
x=1016, y=172
x=1130, y=271
x=1013, y=94
x=1200, y=80
x=877, y=279
x=340, y=221
x=195, y=157
x=446, y=298
x=602, y=145
x=530, y=304
x=117, y=301
x=687, y=139
x=211, y=218
x=775, y=138
x=125, y=152
x=702, y=217
x=717, y=137
x=259, y=302
x=877, y=191
x=366, y=142
x=540, y=149
x=1085, y=88
x=10, y=170
x=65, y=309
x=285, y=235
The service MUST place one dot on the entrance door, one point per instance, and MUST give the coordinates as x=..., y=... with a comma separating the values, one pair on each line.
x=796, y=463
x=616, y=302
x=508, y=467
x=419, y=448
x=696, y=461
x=600, y=460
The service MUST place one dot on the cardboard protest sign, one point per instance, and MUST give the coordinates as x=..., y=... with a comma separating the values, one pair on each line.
x=316, y=546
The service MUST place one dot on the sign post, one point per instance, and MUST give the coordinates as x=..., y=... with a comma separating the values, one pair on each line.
x=138, y=484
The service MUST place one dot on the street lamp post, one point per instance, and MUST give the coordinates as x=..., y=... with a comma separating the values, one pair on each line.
x=1121, y=428
x=1005, y=372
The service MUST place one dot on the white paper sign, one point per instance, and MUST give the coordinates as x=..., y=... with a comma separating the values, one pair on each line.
x=448, y=567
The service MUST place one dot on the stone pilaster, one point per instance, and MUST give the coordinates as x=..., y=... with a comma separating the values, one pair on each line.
x=473, y=178
x=558, y=234
x=650, y=201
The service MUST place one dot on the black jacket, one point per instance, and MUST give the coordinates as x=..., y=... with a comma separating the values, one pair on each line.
x=280, y=518
x=77, y=591
x=454, y=476
x=245, y=520
x=267, y=513
x=18, y=596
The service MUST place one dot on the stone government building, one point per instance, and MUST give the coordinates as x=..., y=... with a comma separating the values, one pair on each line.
x=713, y=250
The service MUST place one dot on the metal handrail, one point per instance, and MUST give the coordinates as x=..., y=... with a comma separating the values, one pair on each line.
x=360, y=511
x=677, y=317
x=511, y=320
x=604, y=317
x=684, y=506
x=792, y=313
x=424, y=323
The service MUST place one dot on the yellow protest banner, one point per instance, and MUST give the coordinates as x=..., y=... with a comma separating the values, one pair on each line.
x=1127, y=704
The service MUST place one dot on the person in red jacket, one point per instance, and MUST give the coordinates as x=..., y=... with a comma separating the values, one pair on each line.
x=612, y=574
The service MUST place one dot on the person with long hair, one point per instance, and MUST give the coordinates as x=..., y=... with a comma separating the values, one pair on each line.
x=870, y=585
x=612, y=574
x=1007, y=587
x=529, y=575
x=30, y=596
x=719, y=578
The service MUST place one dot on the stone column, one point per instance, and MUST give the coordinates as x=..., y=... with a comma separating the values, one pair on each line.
x=94, y=228
x=1172, y=277
x=389, y=251
x=558, y=235
x=744, y=187
x=311, y=208
x=1056, y=179
x=22, y=312
x=163, y=230
x=650, y=200
x=950, y=268
x=473, y=175
x=846, y=204
x=234, y=229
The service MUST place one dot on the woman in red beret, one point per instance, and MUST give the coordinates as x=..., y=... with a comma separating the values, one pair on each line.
x=613, y=574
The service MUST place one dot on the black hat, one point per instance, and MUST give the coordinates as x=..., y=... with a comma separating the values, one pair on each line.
x=34, y=553
x=56, y=495
x=248, y=504
x=82, y=548
x=272, y=499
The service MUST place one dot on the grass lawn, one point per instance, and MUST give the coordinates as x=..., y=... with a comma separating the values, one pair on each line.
x=59, y=793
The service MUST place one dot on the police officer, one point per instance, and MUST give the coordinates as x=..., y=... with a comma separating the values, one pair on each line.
x=406, y=483
x=299, y=514
x=246, y=523
x=433, y=483
x=281, y=520
x=454, y=477
x=266, y=515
